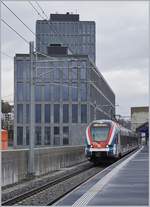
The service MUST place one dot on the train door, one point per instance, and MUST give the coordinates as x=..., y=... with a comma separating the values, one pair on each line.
x=118, y=144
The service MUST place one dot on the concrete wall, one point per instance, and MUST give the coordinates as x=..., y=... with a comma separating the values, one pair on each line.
x=15, y=162
x=139, y=115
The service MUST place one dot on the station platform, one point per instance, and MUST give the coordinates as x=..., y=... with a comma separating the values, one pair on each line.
x=126, y=183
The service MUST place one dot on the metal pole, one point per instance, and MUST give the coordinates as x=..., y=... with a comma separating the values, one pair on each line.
x=95, y=107
x=31, y=169
x=94, y=113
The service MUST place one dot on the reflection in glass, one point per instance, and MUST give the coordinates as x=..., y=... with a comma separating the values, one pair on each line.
x=38, y=135
x=74, y=113
x=47, y=133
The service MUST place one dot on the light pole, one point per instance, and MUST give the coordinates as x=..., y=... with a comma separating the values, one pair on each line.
x=31, y=168
x=33, y=78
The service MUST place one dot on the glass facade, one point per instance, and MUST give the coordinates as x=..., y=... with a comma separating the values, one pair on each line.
x=65, y=135
x=27, y=113
x=56, y=113
x=74, y=113
x=67, y=87
x=47, y=92
x=37, y=113
x=83, y=113
x=19, y=135
x=27, y=136
x=74, y=92
x=65, y=113
x=79, y=36
x=47, y=139
x=56, y=136
x=20, y=113
x=56, y=90
x=65, y=92
x=38, y=135
x=60, y=101
x=47, y=114
x=83, y=91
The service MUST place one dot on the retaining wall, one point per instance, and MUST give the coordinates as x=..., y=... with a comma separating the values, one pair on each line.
x=15, y=162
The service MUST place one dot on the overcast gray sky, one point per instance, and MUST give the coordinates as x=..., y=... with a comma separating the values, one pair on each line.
x=121, y=44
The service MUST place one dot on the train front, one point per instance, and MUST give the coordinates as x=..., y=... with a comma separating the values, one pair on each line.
x=99, y=136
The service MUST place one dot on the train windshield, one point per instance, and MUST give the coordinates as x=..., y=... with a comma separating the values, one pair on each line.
x=99, y=132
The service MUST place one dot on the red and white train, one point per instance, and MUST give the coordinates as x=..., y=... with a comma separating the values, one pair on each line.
x=106, y=139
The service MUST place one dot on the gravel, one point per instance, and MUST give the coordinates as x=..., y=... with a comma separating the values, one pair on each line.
x=20, y=188
x=50, y=195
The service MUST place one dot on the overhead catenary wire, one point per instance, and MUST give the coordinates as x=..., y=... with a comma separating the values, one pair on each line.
x=50, y=26
x=35, y=9
x=41, y=9
x=17, y=17
x=21, y=21
x=5, y=54
x=25, y=40
x=25, y=25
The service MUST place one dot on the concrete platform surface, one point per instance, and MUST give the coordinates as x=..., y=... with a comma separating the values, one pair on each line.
x=126, y=184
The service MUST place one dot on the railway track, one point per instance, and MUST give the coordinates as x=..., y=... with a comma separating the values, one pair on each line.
x=35, y=191
x=52, y=191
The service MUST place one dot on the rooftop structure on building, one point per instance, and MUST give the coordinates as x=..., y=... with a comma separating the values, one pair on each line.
x=69, y=31
x=68, y=17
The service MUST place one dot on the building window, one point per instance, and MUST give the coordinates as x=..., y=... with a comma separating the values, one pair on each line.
x=65, y=135
x=27, y=92
x=65, y=74
x=19, y=113
x=56, y=74
x=65, y=92
x=56, y=113
x=83, y=113
x=74, y=113
x=47, y=113
x=20, y=91
x=38, y=113
x=47, y=140
x=74, y=92
x=20, y=70
x=27, y=113
x=27, y=135
x=56, y=136
x=83, y=91
x=56, y=92
x=27, y=69
x=19, y=135
x=47, y=92
x=83, y=71
x=92, y=113
x=38, y=93
x=37, y=135
x=66, y=113
x=74, y=74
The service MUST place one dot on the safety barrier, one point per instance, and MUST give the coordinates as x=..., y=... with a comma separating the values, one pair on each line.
x=47, y=159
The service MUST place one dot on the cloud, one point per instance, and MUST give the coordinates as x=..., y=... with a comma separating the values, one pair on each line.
x=121, y=43
x=130, y=87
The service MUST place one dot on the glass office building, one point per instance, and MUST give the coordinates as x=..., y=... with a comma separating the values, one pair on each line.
x=67, y=30
x=65, y=92
x=69, y=91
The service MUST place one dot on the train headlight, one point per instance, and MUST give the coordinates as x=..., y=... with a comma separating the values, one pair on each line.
x=107, y=145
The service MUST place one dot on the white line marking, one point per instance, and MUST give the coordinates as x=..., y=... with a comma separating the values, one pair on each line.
x=85, y=198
